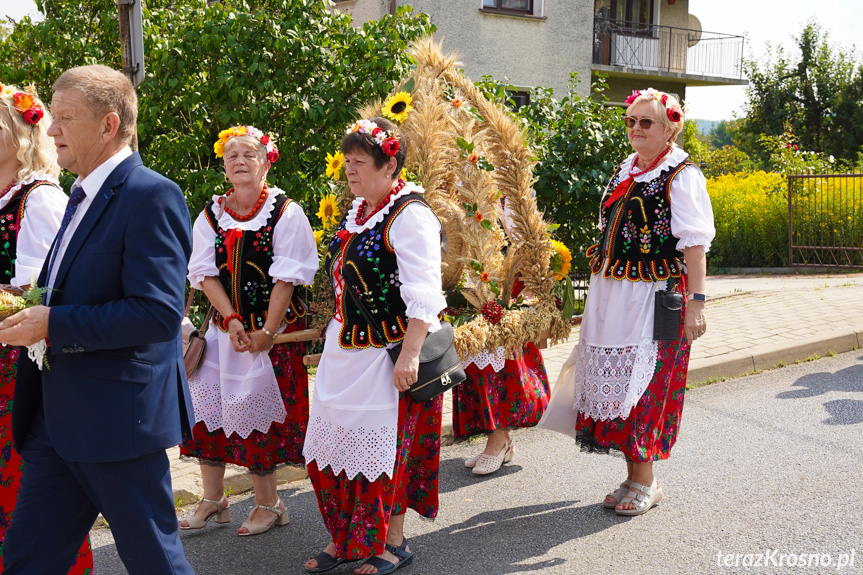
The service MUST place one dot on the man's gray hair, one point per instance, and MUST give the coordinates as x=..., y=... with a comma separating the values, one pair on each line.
x=107, y=90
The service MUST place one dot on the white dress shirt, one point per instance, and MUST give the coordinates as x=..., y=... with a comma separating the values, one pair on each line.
x=91, y=185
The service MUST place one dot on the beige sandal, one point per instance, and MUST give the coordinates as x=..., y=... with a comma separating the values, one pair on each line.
x=470, y=462
x=643, y=501
x=486, y=464
x=618, y=495
x=222, y=514
x=281, y=518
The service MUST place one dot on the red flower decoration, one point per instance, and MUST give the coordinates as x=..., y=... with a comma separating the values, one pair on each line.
x=265, y=139
x=664, y=99
x=33, y=115
x=673, y=114
x=344, y=234
x=635, y=94
x=477, y=216
x=390, y=146
x=484, y=277
x=273, y=156
x=375, y=132
x=474, y=158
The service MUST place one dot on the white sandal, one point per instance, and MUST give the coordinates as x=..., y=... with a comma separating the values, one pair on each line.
x=281, y=518
x=222, y=514
x=643, y=501
x=618, y=495
x=470, y=462
x=486, y=464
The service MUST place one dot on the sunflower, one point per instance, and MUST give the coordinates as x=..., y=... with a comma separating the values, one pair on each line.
x=561, y=260
x=328, y=211
x=398, y=106
x=318, y=235
x=335, y=163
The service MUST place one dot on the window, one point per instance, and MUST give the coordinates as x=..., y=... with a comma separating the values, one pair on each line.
x=518, y=99
x=523, y=7
x=629, y=13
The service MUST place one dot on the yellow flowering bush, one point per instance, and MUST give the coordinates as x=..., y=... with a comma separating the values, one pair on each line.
x=750, y=210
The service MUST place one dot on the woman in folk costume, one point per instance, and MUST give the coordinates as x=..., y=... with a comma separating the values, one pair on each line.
x=31, y=209
x=372, y=451
x=620, y=389
x=500, y=393
x=251, y=248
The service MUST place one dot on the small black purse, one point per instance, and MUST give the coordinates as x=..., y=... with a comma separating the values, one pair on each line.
x=440, y=366
x=667, y=315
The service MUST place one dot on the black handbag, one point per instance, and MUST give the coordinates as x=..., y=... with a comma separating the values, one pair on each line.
x=667, y=315
x=440, y=366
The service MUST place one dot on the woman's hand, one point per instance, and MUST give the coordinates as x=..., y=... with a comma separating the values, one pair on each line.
x=259, y=341
x=405, y=370
x=239, y=338
x=695, y=324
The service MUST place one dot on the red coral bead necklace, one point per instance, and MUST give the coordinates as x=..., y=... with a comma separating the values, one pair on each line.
x=250, y=215
x=360, y=220
x=658, y=159
x=9, y=187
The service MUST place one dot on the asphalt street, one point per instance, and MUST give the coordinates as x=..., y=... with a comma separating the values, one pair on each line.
x=765, y=478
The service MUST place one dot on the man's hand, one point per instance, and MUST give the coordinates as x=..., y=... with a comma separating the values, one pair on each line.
x=25, y=327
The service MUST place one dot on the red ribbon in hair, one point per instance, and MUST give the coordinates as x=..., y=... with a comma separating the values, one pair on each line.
x=231, y=237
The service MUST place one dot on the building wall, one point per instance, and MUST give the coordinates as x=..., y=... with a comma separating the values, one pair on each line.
x=676, y=15
x=620, y=88
x=529, y=52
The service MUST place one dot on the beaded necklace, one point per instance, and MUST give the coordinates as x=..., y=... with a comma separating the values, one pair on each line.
x=9, y=187
x=625, y=183
x=648, y=168
x=250, y=215
x=360, y=220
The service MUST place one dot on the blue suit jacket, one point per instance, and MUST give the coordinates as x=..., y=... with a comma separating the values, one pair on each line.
x=116, y=388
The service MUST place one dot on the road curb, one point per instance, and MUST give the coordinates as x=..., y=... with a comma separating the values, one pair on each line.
x=769, y=357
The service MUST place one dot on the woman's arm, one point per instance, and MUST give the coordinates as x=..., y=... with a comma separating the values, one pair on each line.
x=408, y=363
x=280, y=301
x=212, y=286
x=695, y=323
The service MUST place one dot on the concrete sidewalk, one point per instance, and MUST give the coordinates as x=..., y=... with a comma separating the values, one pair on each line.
x=754, y=323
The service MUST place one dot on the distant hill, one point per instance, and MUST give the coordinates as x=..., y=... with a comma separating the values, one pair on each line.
x=706, y=126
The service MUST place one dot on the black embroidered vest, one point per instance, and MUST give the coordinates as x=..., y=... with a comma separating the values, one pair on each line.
x=370, y=269
x=638, y=231
x=10, y=224
x=250, y=284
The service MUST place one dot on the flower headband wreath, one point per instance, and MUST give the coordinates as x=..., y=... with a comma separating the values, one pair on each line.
x=674, y=112
x=25, y=104
x=225, y=135
x=388, y=142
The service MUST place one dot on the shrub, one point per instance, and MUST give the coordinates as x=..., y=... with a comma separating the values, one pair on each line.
x=751, y=215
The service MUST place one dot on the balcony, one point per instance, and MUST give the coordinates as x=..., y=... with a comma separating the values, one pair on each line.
x=696, y=57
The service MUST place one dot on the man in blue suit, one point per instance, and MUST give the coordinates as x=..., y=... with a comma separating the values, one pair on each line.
x=93, y=427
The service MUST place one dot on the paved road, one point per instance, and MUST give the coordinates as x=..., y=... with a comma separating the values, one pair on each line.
x=766, y=463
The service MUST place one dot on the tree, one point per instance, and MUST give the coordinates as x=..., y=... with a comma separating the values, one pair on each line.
x=817, y=93
x=296, y=69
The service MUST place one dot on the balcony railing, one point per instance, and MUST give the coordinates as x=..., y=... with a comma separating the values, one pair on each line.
x=667, y=49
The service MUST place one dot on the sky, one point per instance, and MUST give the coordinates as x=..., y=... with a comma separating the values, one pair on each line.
x=760, y=21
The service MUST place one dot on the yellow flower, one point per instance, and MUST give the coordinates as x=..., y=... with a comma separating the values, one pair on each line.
x=240, y=130
x=23, y=101
x=404, y=176
x=328, y=211
x=561, y=261
x=398, y=106
x=219, y=148
x=335, y=163
x=318, y=235
x=226, y=133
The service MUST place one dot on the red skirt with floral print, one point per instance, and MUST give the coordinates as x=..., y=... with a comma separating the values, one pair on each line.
x=650, y=430
x=357, y=511
x=261, y=452
x=488, y=400
x=10, y=460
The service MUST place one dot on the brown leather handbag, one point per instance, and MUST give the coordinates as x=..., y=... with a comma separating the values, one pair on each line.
x=194, y=344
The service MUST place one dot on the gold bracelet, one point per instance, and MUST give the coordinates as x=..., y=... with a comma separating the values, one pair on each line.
x=268, y=332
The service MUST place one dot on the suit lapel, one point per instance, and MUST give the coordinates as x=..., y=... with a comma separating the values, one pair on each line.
x=94, y=213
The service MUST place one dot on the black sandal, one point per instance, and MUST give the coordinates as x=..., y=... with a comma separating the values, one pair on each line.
x=325, y=563
x=383, y=566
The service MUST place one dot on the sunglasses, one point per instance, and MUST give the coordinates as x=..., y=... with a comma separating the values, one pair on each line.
x=645, y=123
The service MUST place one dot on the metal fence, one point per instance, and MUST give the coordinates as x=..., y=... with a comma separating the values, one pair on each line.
x=825, y=220
x=667, y=49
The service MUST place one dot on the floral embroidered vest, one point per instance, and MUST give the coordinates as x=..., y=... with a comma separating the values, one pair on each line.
x=370, y=269
x=638, y=232
x=10, y=224
x=250, y=285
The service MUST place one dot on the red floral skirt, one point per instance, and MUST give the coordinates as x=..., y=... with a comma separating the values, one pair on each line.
x=10, y=460
x=262, y=452
x=488, y=400
x=650, y=430
x=357, y=511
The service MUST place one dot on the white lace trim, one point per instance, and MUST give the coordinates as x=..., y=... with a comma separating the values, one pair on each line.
x=367, y=450
x=226, y=222
x=609, y=381
x=691, y=240
x=232, y=413
x=37, y=351
x=485, y=358
x=418, y=311
x=672, y=159
x=351, y=218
